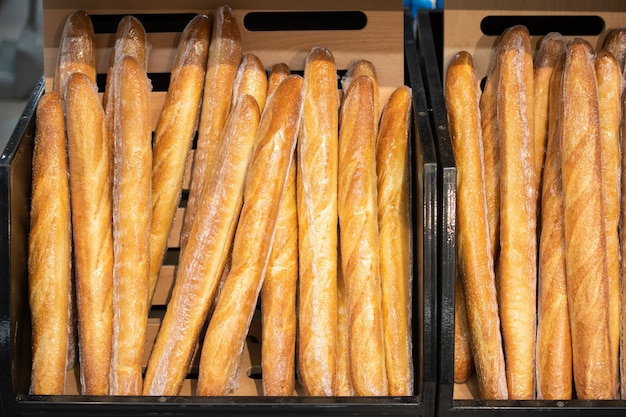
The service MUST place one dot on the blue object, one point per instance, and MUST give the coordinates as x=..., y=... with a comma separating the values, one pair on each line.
x=413, y=5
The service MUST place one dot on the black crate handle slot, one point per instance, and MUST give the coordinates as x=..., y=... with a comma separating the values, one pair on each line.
x=304, y=20
x=541, y=25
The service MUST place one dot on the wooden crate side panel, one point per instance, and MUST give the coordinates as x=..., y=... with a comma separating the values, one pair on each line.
x=462, y=23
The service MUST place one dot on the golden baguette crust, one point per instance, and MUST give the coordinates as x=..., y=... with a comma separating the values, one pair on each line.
x=622, y=360
x=265, y=183
x=363, y=67
x=516, y=268
x=76, y=51
x=394, y=223
x=554, y=342
x=550, y=47
x=463, y=361
x=277, y=73
x=173, y=136
x=201, y=265
x=609, y=81
x=251, y=78
x=615, y=43
x=130, y=39
x=474, y=254
x=90, y=194
x=344, y=383
x=49, y=250
x=223, y=61
x=132, y=206
x=317, y=225
x=585, y=237
x=278, y=298
x=359, y=238
x=491, y=147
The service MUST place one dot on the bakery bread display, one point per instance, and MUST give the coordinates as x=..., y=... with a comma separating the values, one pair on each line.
x=202, y=202
x=555, y=231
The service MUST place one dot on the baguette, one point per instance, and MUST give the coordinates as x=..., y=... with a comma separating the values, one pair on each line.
x=344, y=383
x=474, y=253
x=394, y=223
x=615, y=43
x=130, y=39
x=609, y=82
x=363, y=67
x=76, y=51
x=173, y=136
x=49, y=250
x=251, y=78
x=463, y=361
x=585, y=237
x=516, y=269
x=132, y=206
x=491, y=148
x=317, y=225
x=90, y=194
x=201, y=265
x=265, y=183
x=278, y=293
x=549, y=48
x=277, y=73
x=223, y=61
x=359, y=237
x=622, y=359
x=554, y=341
x=278, y=299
